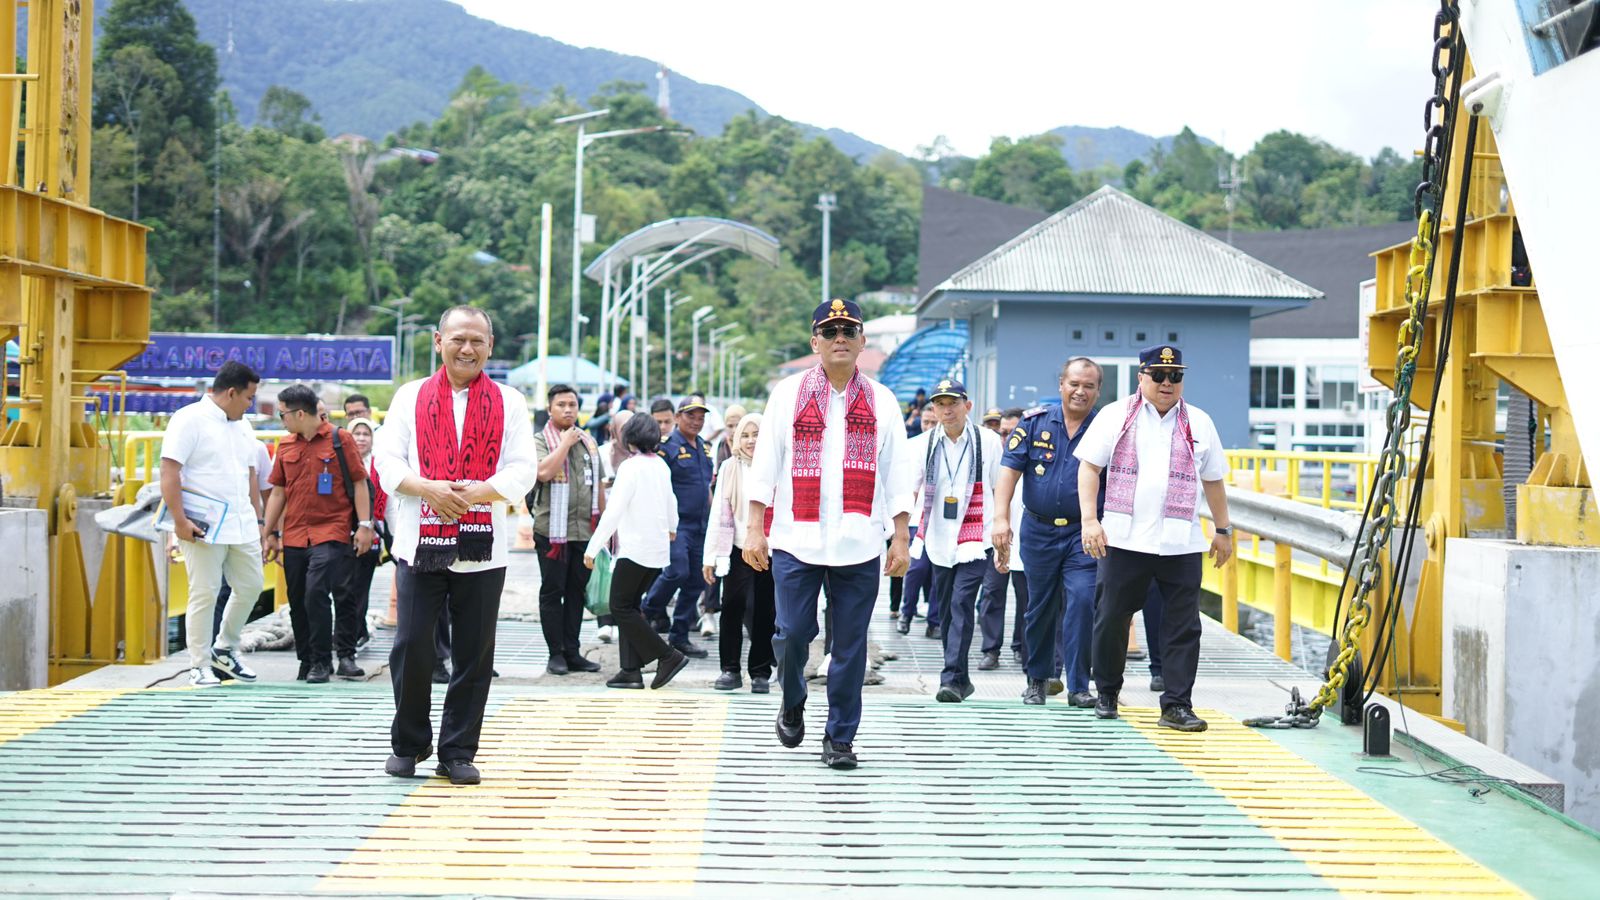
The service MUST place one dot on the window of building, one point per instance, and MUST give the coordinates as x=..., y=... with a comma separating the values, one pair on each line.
x=1331, y=387
x=1174, y=336
x=1107, y=335
x=1272, y=387
x=1075, y=335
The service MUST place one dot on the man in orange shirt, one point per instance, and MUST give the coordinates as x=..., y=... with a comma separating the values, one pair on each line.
x=319, y=494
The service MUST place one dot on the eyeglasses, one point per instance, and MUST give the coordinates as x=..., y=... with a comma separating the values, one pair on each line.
x=829, y=332
x=1162, y=376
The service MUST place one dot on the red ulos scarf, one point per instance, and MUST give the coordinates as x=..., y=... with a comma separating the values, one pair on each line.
x=475, y=458
x=860, y=445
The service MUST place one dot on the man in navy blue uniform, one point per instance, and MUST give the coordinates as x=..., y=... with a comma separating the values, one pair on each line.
x=1061, y=576
x=688, y=456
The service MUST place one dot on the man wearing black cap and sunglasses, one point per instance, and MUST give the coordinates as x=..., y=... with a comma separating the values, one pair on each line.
x=1159, y=453
x=825, y=467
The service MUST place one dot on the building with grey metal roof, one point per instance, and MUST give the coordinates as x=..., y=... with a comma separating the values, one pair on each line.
x=1105, y=277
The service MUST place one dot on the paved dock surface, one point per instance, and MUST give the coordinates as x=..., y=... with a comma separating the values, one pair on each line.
x=277, y=789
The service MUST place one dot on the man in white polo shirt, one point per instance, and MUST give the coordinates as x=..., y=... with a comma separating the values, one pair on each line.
x=1158, y=453
x=209, y=451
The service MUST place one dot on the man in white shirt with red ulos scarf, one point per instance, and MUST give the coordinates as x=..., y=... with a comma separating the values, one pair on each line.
x=825, y=464
x=1159, y=453
x=457, y=448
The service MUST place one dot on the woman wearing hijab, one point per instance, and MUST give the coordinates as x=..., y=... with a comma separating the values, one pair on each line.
x=642, y=512
x=742, y=585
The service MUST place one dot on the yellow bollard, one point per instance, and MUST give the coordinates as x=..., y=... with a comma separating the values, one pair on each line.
x=1230, y=588
x=1282, y=619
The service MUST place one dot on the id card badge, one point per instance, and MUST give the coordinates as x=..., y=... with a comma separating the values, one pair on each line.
x=949, y=507
x=325, y=483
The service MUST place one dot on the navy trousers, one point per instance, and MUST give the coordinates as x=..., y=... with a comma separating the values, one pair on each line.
x=682, y=579
x=955, y=589
x=992, y=609
x=852, y=593
x=1061, y=584
x=919, y=579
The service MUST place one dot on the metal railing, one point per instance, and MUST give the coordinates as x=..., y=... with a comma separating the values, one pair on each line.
x=1339, y=480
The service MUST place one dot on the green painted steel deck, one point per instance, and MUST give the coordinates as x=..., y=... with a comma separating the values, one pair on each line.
x=274, y=789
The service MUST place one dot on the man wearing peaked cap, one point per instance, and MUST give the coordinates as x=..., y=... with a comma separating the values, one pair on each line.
x=1159, y=454
x=958, y=466
x=688, y=457
x=825, y=467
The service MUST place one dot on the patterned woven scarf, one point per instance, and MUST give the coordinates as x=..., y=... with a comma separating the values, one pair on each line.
x=971, y=510
x=1122, y=476
x=561, y=489
x=860, y=445
x=473, y=459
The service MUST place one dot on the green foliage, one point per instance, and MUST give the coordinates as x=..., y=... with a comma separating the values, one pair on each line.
x=1030, y=172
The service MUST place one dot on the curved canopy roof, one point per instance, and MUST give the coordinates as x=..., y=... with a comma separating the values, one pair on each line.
x=935, y=352
x=706, y=231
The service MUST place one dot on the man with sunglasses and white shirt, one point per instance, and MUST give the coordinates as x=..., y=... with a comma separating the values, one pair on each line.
x=1159, y=454
x=825, y=467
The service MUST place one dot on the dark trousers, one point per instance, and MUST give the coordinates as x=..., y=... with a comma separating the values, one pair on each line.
x=638, y=643
x=360, y=595
x=318, y=582
x=473, y=600
x=919, y=579
x=853, y=591
x=561, y=596
x=1152, y=617
x=1061, y=579
x=1127, y=577
x=955, y=589
x=745, y=588
x=682, y=579
x=992, y=610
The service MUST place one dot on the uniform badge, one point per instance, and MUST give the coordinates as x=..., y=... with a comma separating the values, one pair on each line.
x=1044, y=435
x=1016, y=438
x=1039, y=469
x=1049, y=456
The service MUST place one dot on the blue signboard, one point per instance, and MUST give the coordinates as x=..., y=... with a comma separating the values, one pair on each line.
x=305, y=358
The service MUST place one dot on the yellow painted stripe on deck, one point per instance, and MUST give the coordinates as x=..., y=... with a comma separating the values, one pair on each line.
x=581, y=796
x=1357, y=844
x=25, y=712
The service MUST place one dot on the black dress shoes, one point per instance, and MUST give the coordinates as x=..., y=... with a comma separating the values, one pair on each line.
x=626, y=679
x=690, y=650
x=406, y=766
x=759, y=686
x=580, y=663
x=459, y=771
x=792, y=726
x=904, y=627
x=557, y=665
x=1157, y=683
x=1105, y=706
x=1033, y=694
x=728, y=681
x=935, y=631
x=1081, y=699
x=349, y=669
x=668, y=668
x=990, y=661
x=838, y=756
x=319, y=673
x=441, y=675
x=1181, y=718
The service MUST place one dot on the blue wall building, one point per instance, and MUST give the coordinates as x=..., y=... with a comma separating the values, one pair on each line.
x=1103, y=278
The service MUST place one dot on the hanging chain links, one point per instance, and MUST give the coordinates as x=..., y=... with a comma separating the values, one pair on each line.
x=1439, y=121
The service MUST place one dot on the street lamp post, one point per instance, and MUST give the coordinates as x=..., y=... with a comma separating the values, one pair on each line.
x=738, y=373
x=827, y=203
x=398, y=310
x=585, y=140
x=711, y=367
x=727, y=354
x=703, y=314
x=671, y=305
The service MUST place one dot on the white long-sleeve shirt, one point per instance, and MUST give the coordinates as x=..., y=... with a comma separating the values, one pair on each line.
x=952, y=461
x=394, y=450
x=835, y=539
x=641, y=511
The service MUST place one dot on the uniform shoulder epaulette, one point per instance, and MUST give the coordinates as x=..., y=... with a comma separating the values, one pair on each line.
x=1030, y=413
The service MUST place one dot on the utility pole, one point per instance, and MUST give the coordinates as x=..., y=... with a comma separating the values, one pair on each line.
x=545, y=217
x=703, y=314
x=827, y=203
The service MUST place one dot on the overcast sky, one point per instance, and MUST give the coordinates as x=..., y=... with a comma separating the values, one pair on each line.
x=1354, y=72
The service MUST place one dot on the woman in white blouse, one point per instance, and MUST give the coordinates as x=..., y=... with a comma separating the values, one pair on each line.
x=642, y=512
x=742, y=585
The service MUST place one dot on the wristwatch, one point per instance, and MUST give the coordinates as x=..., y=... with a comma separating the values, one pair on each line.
x=1224, y=529
x=367, y=524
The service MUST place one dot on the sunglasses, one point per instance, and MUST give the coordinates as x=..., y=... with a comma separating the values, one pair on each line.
x=829, y=332
x=1162, y=376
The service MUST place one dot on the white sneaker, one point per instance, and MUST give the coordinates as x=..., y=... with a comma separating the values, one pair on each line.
x=203, y=677
x=708, y=625
x=607, y=634
x=228, y=661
